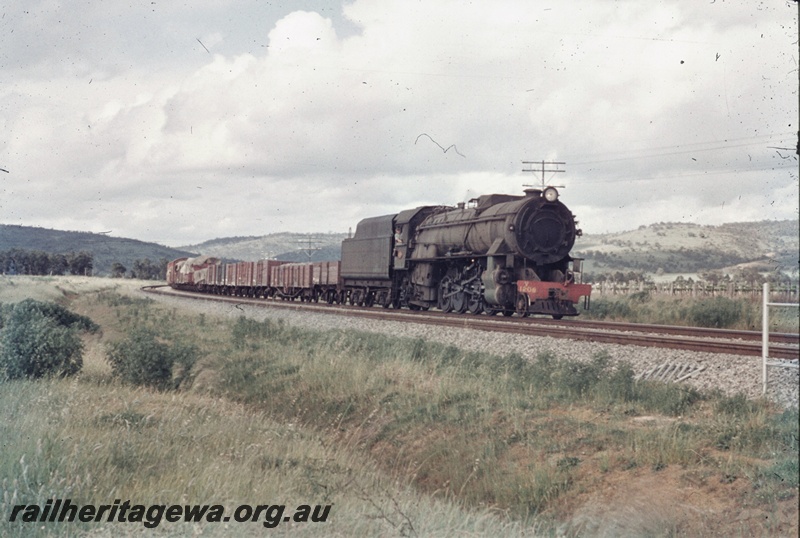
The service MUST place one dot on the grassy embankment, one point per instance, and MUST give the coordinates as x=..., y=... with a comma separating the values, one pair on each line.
x=403, y=437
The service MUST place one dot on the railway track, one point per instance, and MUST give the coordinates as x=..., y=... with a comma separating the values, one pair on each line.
x=782, y=345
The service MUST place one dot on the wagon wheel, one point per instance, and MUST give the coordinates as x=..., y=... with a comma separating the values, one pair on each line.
x=330, y=296
x=522, y=304
x=507, y=312
x=460, y=302
x=369, y=299
x=355, y=298
x=492, y=311
x=475, y=304
x=342, y=297
x=557, y=316
x=445, y=294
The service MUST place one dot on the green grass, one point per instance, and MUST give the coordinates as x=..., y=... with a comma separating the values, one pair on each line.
x=410, y=402
x=716, y=312
x=95, y=444
x=403, y=436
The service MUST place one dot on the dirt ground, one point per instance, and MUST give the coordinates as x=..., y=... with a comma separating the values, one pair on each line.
x=673, y=502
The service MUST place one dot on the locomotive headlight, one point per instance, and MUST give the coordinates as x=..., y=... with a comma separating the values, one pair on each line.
x=551, y=194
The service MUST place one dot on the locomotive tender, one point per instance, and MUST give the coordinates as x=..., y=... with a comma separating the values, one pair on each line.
x=498, y=253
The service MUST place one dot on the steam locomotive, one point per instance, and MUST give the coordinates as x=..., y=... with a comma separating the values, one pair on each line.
x=498, y=253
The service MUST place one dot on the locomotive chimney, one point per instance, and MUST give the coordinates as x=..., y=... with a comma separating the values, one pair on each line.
x=533, y=192
x=460, y=205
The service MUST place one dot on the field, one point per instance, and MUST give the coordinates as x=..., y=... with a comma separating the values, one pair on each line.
x=401, y=437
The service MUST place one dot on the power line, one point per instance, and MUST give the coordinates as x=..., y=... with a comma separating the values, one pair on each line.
x=715, y=173
x=754, y=141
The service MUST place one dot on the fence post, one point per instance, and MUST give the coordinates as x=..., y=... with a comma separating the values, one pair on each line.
x=764, y=337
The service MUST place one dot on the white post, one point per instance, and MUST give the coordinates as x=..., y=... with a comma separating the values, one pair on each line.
x=764, y=337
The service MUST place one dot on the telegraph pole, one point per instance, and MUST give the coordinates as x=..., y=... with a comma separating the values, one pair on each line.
x=542, y=166
x=309, y=250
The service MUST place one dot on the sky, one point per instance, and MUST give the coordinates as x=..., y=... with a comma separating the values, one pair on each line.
x=183, y=121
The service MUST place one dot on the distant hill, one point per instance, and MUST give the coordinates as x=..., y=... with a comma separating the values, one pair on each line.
x=670, y=247
x=659, y=248
x=105, y=249
x=280, y=246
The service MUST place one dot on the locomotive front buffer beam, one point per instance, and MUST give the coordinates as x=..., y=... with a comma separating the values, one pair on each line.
x=550, y=298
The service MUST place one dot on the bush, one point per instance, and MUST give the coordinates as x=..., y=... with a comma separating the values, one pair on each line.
x=577, y=379
x=611, y=309
x=666, y=398
x=640, y=297
x=719, y=312
x=142, y=359
x=39, y=339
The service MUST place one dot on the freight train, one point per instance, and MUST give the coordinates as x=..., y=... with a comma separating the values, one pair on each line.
x=498, y=253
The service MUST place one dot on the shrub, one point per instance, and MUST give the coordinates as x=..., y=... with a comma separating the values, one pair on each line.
x=617, y=385
x=737, y=405
x=718, y=312
x=142, y=359
x=666, y=398
x=640, y=297
x=249, y=329
x=39, y=339
x=576, y=379
x=610, y=309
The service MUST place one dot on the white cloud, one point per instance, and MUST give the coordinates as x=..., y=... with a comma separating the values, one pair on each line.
x=663, y=111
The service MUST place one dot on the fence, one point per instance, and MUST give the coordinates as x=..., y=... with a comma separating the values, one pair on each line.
x=783, y=292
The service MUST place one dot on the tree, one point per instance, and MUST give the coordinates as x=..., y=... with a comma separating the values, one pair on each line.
x=58, y=264
x=147, y=270
x=142, y=269
x=80, y=263
x=712, y=277
x=751, y=276
x=39, y=263
x=118, y=270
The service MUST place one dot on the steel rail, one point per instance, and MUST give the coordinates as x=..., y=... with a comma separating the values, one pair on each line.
x=697, y=332
x=661, y=336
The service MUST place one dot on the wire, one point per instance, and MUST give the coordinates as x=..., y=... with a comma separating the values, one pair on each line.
x=718, y=172
x=755, y=141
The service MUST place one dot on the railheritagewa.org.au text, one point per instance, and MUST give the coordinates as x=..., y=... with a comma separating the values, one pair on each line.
x=152, y=515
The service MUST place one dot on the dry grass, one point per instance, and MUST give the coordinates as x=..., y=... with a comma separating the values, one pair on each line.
x=404, y=437
x=60, y=288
